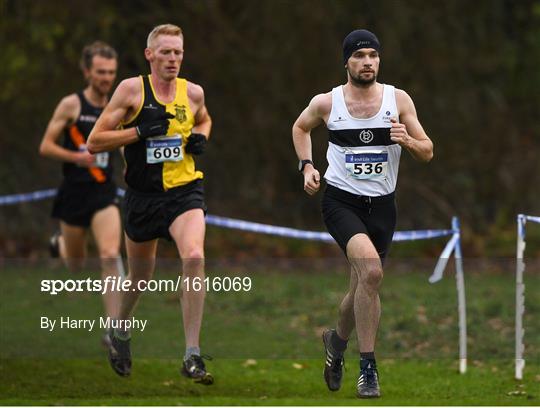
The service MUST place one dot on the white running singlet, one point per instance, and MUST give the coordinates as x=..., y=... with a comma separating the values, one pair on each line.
x=361, y=157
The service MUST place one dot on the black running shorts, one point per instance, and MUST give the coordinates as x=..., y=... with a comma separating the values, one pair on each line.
x=346, y=214
x=76, y=203
x=148, y=216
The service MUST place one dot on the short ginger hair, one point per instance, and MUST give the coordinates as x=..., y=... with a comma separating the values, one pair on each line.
x=163, y=29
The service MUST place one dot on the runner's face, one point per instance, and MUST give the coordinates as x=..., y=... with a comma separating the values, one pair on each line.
x=166, y=56
x=363, y=66
x=101, y=74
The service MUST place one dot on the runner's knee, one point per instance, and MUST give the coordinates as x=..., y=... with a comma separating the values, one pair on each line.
x=109, y=253
x=193, y=254
x=372, y=275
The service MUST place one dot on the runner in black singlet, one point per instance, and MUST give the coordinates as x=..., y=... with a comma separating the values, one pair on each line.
x=86, y=198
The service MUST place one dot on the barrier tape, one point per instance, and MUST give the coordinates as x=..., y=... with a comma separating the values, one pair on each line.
x=26, y=197
x=244, y=225
x=312, y=235
x=532, y=218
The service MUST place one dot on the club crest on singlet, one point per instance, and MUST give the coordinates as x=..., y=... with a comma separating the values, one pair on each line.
x=180, y=113
x=366, y=136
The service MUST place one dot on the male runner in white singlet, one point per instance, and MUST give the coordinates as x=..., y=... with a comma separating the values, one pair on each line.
x=368, y=123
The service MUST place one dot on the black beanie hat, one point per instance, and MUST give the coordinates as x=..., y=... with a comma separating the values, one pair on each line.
x=359, y=39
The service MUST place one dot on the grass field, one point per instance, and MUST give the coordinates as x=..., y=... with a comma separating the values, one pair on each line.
x=266, y=342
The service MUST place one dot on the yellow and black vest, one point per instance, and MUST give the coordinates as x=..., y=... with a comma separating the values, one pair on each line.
x=75, y=139
x=144, y=174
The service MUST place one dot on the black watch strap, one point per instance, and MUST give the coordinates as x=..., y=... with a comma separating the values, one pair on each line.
x=302, y=164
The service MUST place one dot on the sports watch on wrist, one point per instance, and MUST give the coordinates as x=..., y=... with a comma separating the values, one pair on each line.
x=302, y=164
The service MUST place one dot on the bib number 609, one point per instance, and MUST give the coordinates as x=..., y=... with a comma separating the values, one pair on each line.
x=166, y=152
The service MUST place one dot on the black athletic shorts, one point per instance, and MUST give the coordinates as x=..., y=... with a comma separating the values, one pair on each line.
x=76, y=203
x=148, y=216
x=346, y=214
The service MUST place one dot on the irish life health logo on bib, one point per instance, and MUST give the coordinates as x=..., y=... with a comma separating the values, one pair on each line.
x=366, y=136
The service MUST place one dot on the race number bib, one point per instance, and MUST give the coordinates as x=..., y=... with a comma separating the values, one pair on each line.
x=366, y=164
x=161, y=149
x=102, y=160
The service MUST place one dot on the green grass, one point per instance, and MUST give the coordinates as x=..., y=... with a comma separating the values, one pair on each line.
x=277, y=325
x=268, y=382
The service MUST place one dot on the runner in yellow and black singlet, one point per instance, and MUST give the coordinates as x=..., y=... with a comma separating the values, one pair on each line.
x=159, y=167
x=160, y=163
x=163, y=123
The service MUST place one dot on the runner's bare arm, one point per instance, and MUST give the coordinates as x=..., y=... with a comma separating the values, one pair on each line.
x=203, y=121
x=314, y=115
x=106, y=136
x=63, y=116
x=409, y=133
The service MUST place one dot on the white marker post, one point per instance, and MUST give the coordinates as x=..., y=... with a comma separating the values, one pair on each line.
x=454, y=246
x=520, y=296
x=520, y=291
x=462, y=307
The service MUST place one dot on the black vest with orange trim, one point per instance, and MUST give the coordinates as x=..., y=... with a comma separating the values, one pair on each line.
x=75, y=139
x=160, y=164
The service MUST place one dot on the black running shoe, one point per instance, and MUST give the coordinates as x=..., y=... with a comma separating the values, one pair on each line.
x=54, y=248
x=120, y=356
x=368, y=382
x=333, y=367
x=194, y=368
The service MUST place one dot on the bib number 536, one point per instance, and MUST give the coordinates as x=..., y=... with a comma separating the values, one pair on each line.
x=368, y=168
x=366, y=164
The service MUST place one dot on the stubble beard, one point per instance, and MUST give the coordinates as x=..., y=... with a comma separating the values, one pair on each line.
x=360, y=82
x=102, y=91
